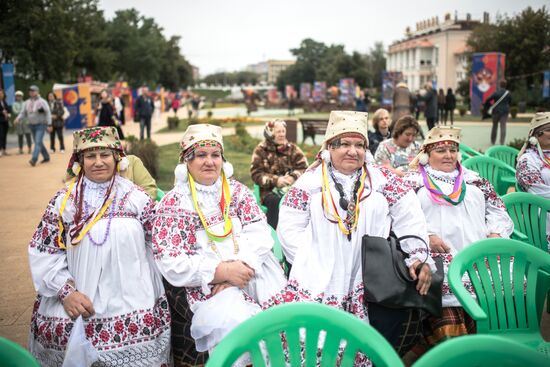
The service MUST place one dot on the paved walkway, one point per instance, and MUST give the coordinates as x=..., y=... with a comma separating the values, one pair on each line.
x=26, y=191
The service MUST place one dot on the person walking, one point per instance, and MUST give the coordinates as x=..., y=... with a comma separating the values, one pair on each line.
x=440, y=105
x=56, y=108
x=430, y=99
x=5, y=112
x=450, y=105
x=37, y=112
x=499, y=103
x=22, y=127
x=143, y=112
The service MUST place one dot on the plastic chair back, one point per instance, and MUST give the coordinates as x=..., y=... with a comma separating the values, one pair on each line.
x=529, y=213
x=505, y=275
x=467, y=152
x=160, y=194
x=302, y=324
x=481, y=351
x=256, y=193
x=503, y=153
x=14, y=355
x=499, y=174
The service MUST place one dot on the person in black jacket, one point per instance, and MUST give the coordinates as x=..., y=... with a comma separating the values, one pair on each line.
x=57, y=110
x=5, y=111
x=143, y=112
x=500, y=109
x=450, y=105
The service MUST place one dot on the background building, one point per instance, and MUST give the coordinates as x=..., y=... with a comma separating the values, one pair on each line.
x=269, y=70
x=433, y=52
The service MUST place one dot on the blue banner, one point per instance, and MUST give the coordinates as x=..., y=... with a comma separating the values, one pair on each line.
x=9, y=83
x=389, y=81
x=546, y=85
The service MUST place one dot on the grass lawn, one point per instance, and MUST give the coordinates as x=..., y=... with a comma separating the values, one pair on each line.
x=182, y=126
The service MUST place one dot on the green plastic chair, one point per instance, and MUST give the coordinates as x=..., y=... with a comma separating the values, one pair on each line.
x=466, y=152
x=503, y=153
x=481, y=351
x=160, y=194
x=256, y=193
x=509, y=297
x=499, y=174
x=529, y=213
x=278, y=251
x=314, y=318
x=14, y=355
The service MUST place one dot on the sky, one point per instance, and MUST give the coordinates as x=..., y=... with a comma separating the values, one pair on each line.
x=228, y=35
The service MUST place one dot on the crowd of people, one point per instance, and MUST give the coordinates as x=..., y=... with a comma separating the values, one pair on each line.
x=164, y=282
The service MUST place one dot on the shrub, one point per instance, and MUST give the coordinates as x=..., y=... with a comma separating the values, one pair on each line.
x=513, y=111
x=173, y=122
x=517, y=143
x=147, y=151
x=462, y=111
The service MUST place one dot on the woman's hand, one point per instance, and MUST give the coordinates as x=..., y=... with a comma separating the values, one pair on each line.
x=217, y=288
x=77, y=304
x=424, y=277
x=235, y=273
x=283, y=181
x=494, y=235
x=437, y=244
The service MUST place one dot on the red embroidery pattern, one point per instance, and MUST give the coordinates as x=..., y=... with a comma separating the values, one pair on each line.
x=104, y=333
x=395, y=188
x=527, y=176
x=489, y=193
x=65, y=291
x=297, y=199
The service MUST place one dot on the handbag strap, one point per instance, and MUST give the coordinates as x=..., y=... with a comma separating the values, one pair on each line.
x=497, y=102
x=421, y=239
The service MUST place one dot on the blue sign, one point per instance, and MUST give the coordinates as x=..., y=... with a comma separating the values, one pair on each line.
x=9, y=83
x=546, y=85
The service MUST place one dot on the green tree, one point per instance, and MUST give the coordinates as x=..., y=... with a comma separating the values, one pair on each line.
x=230, y=78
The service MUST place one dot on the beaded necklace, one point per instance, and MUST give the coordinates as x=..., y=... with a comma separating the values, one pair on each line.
x=225, y=201
x=108, y=230
x=350, y=223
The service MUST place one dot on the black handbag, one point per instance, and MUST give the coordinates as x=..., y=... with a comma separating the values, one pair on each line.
x=386, y=276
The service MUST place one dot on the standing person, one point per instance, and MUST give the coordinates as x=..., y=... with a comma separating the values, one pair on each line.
x=195, y=106
x=22, y=127
x=211, y=238
x=533, y=168
x=106, y=113
x=58, y=123
x=460, y=208
x=441, y=105
x=325, y=214
x=143, y=112
x=450, y=105
x=291, y=104
x=175, y=105
x=37, y=112
x=402, y=99
x=119, y=109
x=91, y=256
x=276, y=165
x=5, y=112
x=430, y=111
x=499, y=102
x=381, y=126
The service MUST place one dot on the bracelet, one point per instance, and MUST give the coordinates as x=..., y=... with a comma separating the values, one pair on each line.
x=65, y=291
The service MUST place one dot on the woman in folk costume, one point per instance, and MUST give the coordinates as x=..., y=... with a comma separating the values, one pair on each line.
x=331, y=206
x=460, y=208
x=210, y=237
x=91, y=256
x=533, y=168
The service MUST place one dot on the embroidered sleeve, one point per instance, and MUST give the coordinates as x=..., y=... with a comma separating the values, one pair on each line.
x=146, y=218
x=177, y=254
x=48, y=261
x=414, y=180
x=395, y=188
x=496, y=217
x=529, y=176
x=297, y=198
x=248, y=210
x=66, y=290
